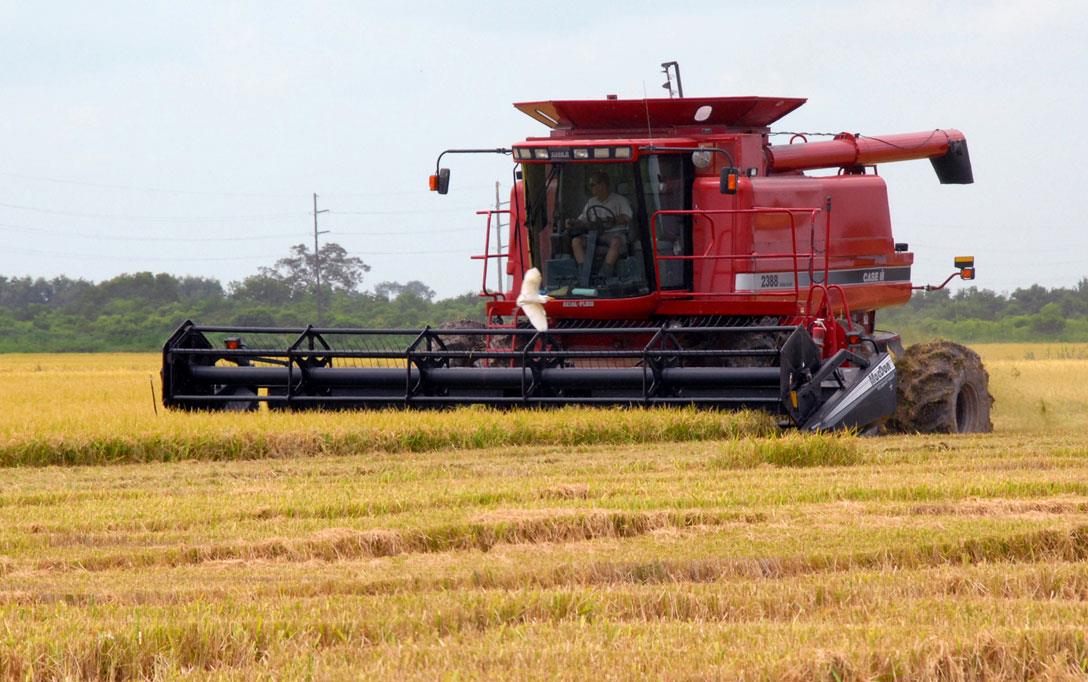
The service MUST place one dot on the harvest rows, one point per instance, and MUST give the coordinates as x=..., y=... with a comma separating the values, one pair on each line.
x=702, y=546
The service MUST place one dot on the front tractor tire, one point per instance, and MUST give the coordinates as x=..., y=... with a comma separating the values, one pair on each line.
x=942, y=388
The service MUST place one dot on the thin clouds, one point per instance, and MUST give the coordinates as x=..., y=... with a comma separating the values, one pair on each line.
x=231, y=102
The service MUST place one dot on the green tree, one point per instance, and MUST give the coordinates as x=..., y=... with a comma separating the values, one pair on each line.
x=262, y=289
x=339, y=271
x=1050, y=319
x=394, y=290
x=1031, y=300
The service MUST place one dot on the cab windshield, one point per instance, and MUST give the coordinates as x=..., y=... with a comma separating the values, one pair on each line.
x=589, y=225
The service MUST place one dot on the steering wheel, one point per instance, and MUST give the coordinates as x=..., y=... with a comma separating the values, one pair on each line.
x=600, y=214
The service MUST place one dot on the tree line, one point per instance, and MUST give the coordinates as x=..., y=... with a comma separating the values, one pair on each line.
x=971, y=314
x=137, y=312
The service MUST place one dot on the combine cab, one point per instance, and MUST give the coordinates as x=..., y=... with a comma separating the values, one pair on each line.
x=661, y=252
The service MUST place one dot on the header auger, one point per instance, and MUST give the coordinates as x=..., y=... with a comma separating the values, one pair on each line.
x=661, y=252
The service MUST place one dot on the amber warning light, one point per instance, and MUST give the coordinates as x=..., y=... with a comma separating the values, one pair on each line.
x=966, y=266
x=729, y=180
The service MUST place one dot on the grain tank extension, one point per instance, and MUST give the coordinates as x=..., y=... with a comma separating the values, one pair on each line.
x=665, y=253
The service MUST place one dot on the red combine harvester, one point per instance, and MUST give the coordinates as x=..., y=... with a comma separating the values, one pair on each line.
x=661, y=252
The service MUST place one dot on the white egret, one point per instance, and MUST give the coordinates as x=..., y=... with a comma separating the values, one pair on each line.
x=532, y=301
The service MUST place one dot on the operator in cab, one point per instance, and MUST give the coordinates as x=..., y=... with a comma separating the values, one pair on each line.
x=609, y=214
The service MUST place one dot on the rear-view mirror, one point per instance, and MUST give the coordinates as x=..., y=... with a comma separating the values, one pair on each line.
x=442, y=181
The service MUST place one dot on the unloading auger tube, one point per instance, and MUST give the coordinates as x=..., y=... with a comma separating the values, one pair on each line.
x=236, y=368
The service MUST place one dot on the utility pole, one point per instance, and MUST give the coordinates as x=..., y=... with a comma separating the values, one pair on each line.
x=317, y=260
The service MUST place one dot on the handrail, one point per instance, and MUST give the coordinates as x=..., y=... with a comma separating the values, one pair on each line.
x=825, y=301
x=487, y=255
x=706, y=213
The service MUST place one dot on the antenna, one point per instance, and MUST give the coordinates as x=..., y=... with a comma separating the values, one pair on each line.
x=646, y=105
x=668, y=68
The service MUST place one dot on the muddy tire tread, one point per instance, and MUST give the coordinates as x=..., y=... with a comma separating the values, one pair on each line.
x=930, y=379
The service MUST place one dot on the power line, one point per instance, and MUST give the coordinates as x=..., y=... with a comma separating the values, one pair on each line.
x=8, y=227
x=464, y=252
x=155, y=219
x=161, y=190
x=211, y=219
x=129, y=238
x=214, y=193
x=961, y=226
x=397, y=232
x=398, y=193
x=217, y=219
x=114, y=257
x=1014, y=251
x=451, y=209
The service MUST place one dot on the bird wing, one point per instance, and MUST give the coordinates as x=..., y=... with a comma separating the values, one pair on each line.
x=530, y=283
x=530, y=300
x=535, y=313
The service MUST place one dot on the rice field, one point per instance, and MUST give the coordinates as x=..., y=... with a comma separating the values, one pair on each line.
x=563, y=545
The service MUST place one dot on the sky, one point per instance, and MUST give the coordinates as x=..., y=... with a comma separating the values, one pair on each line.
x=190, y=137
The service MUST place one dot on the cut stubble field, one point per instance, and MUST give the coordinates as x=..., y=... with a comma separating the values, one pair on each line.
x=563, y=544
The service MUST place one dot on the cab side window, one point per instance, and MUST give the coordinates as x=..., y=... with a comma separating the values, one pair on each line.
x=666, y=181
